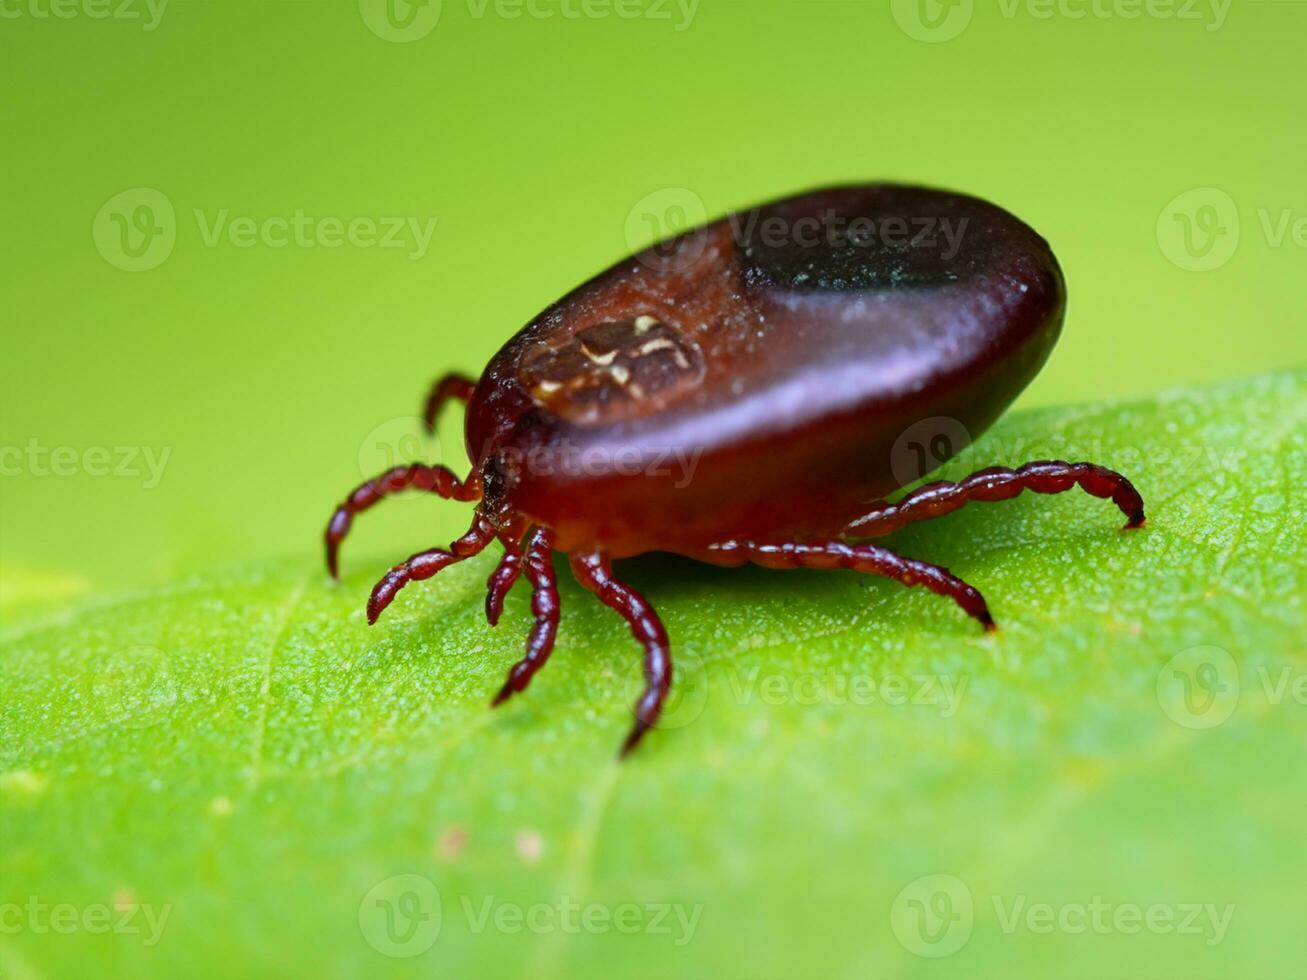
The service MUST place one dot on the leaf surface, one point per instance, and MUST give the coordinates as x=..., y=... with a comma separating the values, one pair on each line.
x=282, y=791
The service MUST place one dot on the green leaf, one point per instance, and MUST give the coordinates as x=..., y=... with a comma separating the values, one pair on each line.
x=235, y=776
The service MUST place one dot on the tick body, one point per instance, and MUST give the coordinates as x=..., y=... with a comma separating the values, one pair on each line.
x=742, y=393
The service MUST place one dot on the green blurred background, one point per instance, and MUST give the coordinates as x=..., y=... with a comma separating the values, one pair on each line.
x=183, y=390
x=544, y=147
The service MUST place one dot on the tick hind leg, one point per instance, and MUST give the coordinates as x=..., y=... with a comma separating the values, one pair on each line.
x=1001, y=483
x=596, y=573
x=452, y=387
x=867, y=558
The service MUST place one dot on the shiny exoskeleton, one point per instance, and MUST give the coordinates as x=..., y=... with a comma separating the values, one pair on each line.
x=737, y=394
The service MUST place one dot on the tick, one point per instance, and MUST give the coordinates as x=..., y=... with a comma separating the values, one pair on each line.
x=748, y=392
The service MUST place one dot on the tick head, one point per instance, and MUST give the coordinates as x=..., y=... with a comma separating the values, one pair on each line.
x=499, y=476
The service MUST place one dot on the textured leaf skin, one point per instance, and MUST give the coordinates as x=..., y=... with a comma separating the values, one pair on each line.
x=241, y=747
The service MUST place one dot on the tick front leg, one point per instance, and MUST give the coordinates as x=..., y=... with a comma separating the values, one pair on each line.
x=425, y=564
x=416, y=476
x=452, y=387
x=1001, y=483
x=859, y=558
x=596, y=573
x=538, y=563
x=501, y=581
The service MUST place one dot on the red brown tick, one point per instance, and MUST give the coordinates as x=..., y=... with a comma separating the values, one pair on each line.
x=784, y=350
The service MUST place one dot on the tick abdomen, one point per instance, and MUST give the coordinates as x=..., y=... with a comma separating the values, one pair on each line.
x=756, y=374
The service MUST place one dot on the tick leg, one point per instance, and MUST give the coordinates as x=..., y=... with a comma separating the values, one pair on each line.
x=867, y=558
x=596, y=574
x=425, y=564
x=538, y=563
x=452, y=387
x=416, y=476
x=500, y=582
x=1001, y=483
